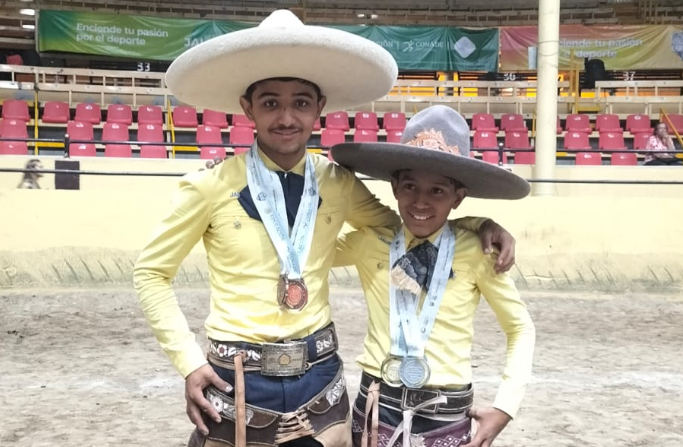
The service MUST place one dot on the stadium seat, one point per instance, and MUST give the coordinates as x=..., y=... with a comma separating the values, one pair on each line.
x=524, y=158
x=578, y=123
x=484, y=122
x=185, y=116
x=120, y=113
x=394, y=121
x=484, y=140
x=316, y=125
x=151, y=133
x=15, y=59
x=13, y=148
x=210, y=135
x=81, y=131
x=677, y=121
x=608, y=123
x=243, y=136
x=394, y=136
x=56, y=112
x=623, y=159
x=15, y=109
x=611, y=141
x=366, y=121
x=638, y=123
x=330, y=137
x=337, y=120
x=116, y=132
x=517, y=140
x=576, y=141
x=365, y=136
x=640, y=140
x=214, y=118
x=588, y=159
x=88, y=113
x=150, y=115
x=559, y=126
x=492, y=157
x=512, y=122
x=242, y=121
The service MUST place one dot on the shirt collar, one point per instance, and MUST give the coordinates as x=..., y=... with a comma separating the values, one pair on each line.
x=412, y=241
x=299, y=168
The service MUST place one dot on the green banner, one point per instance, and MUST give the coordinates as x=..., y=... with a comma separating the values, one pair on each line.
x=414, y=48
x=435, y=48
x=134, y=37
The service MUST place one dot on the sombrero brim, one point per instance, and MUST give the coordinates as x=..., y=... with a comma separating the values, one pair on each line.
x=380, y=160
x=350, y=70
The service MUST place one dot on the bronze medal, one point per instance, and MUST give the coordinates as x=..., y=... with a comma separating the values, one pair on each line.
x=292, y=294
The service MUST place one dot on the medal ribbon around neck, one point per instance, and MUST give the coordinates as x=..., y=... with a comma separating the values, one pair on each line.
x=410, y=332
x=269, y=199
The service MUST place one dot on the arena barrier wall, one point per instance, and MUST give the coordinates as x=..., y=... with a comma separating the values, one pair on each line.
x=605, y=238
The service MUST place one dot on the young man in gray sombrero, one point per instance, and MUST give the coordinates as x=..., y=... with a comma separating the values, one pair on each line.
x=268, y=220
x=417, y=378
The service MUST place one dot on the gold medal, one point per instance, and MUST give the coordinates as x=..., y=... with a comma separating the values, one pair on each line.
x=390, y=371
x=292, y=294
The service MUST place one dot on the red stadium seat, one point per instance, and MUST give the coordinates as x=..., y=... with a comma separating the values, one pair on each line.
x=517, y=140
x=640, y=140
x=13, y=128
x=611, y=141
x=638, y=123
x=88, y=113
x=151, y=133
x=394, y=136
x=394, y=121
x=559, y=126
x=150, y=115
x=15, y=59
x=120, y=113
x=524, y=158
x=56, y=112
x=576, y=141
x=366, y=121
x=210, y=135
x=81, y=131
x=624, y=159
x=484, y=122
x=512, y=122
x=116, y=132
x=484, y=140
x=330, y=137
x=608, y=123
x=242, y=121
x=677, y=121
x=242, y=135
x=492, y=157
x=578, y=123
x=214, y=118
x=13, y=148
x=365, y=136
x=588, y=159
x=15, y=109
x=185, y=116
x=337, y=120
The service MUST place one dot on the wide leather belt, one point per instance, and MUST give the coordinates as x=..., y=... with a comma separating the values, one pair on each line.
x=402, y=398
x=285, y=358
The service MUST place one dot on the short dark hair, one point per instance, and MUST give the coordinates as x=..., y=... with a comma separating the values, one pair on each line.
x=250, y=90
x=654, y=131
x=396, y=174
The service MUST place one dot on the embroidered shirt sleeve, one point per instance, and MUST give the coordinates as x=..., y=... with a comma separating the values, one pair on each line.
x=502, y=295
x=159, y=262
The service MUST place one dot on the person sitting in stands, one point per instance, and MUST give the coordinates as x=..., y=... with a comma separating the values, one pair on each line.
x=661, y=144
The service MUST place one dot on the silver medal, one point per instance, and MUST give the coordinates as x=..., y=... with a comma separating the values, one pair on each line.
x=414, y=372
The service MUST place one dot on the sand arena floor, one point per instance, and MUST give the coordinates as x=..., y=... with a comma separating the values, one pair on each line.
x=82, y=368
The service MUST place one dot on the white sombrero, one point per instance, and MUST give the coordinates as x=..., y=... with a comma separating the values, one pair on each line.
x=350, y=70
x=437, y=140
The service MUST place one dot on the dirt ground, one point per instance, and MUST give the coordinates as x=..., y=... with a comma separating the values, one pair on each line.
x=82, y=368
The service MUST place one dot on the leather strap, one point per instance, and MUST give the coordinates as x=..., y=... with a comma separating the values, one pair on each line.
x=240, y=403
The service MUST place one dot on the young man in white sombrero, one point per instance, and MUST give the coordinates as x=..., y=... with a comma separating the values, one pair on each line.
x=268, y=219
x=417, y=378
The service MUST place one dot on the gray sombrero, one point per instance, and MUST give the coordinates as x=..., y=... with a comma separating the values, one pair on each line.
x=437, y=140
x=350, y=70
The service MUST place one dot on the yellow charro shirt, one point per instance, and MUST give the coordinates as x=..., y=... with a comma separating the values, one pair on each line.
x=243, y=264
x=449, y=347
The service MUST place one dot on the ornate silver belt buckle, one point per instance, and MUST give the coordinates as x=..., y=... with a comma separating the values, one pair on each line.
x=284, y=359
x=412, y=398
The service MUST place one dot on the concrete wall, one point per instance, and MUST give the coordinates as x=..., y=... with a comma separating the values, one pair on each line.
x=596, y=238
